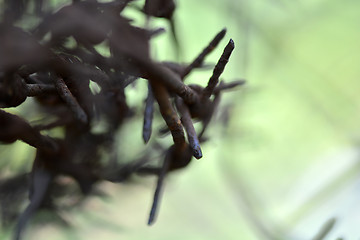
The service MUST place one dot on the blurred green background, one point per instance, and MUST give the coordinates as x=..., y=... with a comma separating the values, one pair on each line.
x=283, y=159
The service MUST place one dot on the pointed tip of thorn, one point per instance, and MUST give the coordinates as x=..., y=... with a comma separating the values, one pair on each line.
x=146, y=139
x=150, y=222
x=222, y=33
x=197, y=153
x=231, y=42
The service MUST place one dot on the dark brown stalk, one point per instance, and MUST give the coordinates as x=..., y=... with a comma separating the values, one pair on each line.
x=207, y=117
x=225, y=86
x=14, y=128
x=219, y=68
x=39, y=89
x=159, y=186
x=189, y=128
x=198, y=61
x=148, y=115
x=159, y=73
x=70, y=100
x=41, y=179
x=169, y=114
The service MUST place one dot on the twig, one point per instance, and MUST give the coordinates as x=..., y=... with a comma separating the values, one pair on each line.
x=219, y=68
x=15, y=128
x=325, y=229
x=41, y=180
x=169, y=114
x=224, y=86
x=70, y=100
x=148, y=115
x=189, y=127
x=200, y=59
x=159, y=186
x=159, y=73
x=38, y=89
x=209, y=115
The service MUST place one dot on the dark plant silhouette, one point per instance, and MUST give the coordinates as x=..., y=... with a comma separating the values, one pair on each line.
x=39, y=63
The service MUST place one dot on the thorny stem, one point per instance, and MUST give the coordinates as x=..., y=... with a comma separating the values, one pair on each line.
x=159, y=185
x=211, y=110
x=158, y=73
x=224, y=86
x=169, y=114
x=200, y=59
x=189, y=127
x=70, y=100
x=39, y=141
x=174, y=36
x=15, y=128
x=219, y=68
x=41, y=180
x=38, y=89
x=148, y=115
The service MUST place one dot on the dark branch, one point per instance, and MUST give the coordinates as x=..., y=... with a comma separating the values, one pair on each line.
x=148, y=115
x=70, y=100
x=189, y=127
x=219, y=68
x=198, y=61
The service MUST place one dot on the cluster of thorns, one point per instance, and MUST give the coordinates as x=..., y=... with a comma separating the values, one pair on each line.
x=38, y=63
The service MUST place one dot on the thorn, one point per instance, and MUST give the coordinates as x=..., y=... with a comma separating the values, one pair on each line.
x=219, y=68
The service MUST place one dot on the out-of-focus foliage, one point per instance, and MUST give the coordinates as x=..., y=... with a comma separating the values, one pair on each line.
x=294, y=141
x=287, y=163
